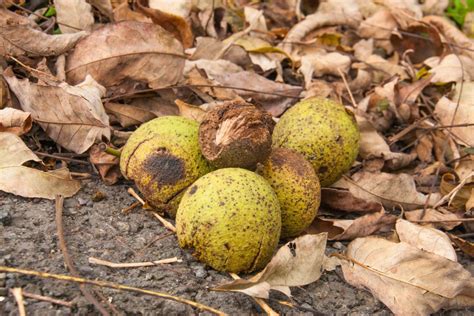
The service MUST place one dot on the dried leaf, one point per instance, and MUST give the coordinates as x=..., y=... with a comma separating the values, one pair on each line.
x=29, y=182
x=466, y=246
x=174, y=24
x=123, y=13
x=434, y=215
x=348, y=229
x=320, y=64
x=180, y=8
x=19, y=38
x=462, y=195
x=426, y=239
x=190, y=111
x=449, y=113
x=120, y=51
x=15, y=121
x=343, y=200
x=451, y=68
x=76, y=14
x=128, y=115
x=379, y=26
x=106, y=164
x=76, y=118
x=406, y=279
x=391, y=190
x=212, y=68
x=275, y=97
x=104, y=6
x=297, y=263
x=373, y=145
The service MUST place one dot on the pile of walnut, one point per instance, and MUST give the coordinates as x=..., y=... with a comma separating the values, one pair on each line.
x=237, y=182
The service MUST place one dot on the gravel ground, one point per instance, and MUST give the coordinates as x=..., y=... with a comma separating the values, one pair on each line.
x=99, y=229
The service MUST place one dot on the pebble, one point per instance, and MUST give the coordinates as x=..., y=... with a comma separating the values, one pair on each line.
x=200, y=272
x=5, y=217
x=338, y=245
x=82, y=201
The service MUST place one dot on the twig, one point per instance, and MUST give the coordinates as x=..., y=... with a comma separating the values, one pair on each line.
x=67, y=259
x=81, y=175
x=140, y=252
x=132, y=264
x=441, y=220
x=450, y=196
x=203, y=86
x=132, y=192
x=347, y=87
x=48, y=299
x=258, y=300
x=111, y=285
x=18, y=295
x=50, y=77
x=468, y=235
x=82, y=162
x=165, y=223
x=131, y=207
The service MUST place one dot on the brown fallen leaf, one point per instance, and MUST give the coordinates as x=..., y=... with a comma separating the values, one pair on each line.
x=348, y=229
x=15, y=121
x=449, y=113
x=426, y=239
x=190, y=111
x=434, y=215
x=106, y=164
x=450, y=68
x=373, y=145
x=127, y=114
x=128, y=50
x=379, y=26
x=466, y=246
x=76, y=118
x=297, y=263
x=275, y=97
x=343, y=200
x=28, y=182
x=459, y=200
x=104, y=6
x=174, y=24
x=391, y=190
x=76, y=14
x=122, y=12
x=18, y=37
x=320, y=64
x=406, y=279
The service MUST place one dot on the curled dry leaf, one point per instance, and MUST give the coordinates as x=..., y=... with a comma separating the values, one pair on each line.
x=459, y=111
x=426, y=239
x=106, y=164
x=19, y=38
x=28, y=182
x=190, y=111
x=76, y=14
x=275, y=97
x=175, y=24
x=379, y=26
x=343, y=200
x=297, y=263
x=15, y=121
x=406, y=279
x=76, y=118
x=391, y=190
x=452, y=68
x=466, y=246
x=348, y=229
x=127, y=114
x=320, y=64
x=128, y=50
x=180, y=8
x=462, y=190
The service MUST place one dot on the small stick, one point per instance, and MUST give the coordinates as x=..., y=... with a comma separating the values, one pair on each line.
x=18, y=295
x=81, y=175
x=165, y=223
x=111, y=285
x=442, y=220
x=67, y=259
x=132, y=264
x=258, y=300
x=347, y=88
x=131, y=207
x=132, y=192
x=48, y=299
x=82, y=162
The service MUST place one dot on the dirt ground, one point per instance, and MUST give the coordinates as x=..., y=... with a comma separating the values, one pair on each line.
x=99, y=229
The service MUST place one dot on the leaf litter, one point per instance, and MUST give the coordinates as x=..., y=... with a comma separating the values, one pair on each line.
x=99, y=69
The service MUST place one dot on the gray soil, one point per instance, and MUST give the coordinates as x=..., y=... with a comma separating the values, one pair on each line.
x=29, y=240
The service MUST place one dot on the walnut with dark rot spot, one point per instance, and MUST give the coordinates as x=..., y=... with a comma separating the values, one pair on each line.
x=163, y=158
x=236, y=134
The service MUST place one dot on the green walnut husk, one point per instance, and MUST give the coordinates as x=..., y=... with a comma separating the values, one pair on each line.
x=231, y=218
x=324, y=132
x=297, y=187
x=163, y=158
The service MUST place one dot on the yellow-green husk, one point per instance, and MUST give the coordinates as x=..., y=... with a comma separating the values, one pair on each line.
x=231, y=218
